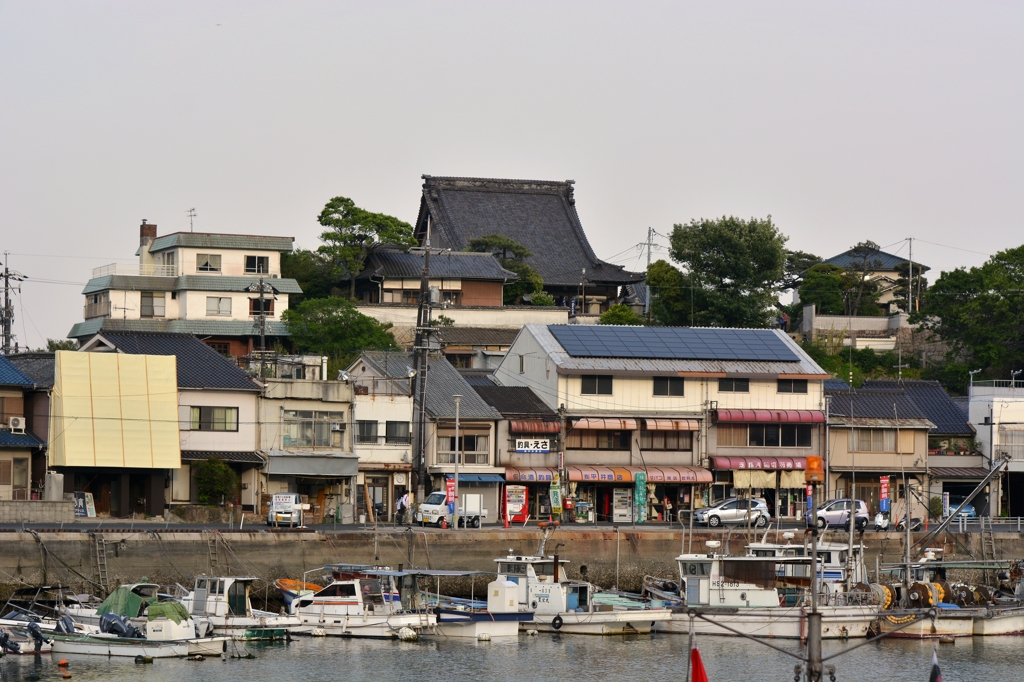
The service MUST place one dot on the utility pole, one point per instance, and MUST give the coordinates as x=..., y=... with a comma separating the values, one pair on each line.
x=260, y=319
x=910, y=279
x=7, y=314
x=647, y=302
x=419, y=379
x=458, y=456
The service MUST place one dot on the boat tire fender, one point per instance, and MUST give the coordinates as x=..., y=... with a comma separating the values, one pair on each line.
x=556, y=623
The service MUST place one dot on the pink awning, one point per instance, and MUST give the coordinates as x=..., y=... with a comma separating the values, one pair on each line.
x=760, y=463
x=772, y=416
x=605, y=424
x=671, y=424
x=520, y=475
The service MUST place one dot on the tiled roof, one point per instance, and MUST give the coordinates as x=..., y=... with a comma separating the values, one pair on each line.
x=203, y=240
x=836, y=385
x=540, y=215
x=18, y=440
x=36, y=366
x=879, y=260
x=933, y=401
x=958, y=472
x=199, y=366
x=283, y=285
x=885, y=406
x=89, y=328
x=476, y=336
x=514, y=400
x=447, y=265
x=236, y=457
x=636, y=294
x=10, y=375
x=443, y=382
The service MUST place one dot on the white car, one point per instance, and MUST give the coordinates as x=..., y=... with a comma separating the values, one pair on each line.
x=285, y=510
x=735, y=510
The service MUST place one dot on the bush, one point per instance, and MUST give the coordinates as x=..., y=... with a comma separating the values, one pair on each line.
x=935, y=507
x=542, y=298
x=215, y=481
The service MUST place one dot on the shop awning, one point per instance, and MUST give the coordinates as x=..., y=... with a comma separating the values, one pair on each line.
x=678, y=474
x=234, y=457
x=671, y=424
x=606, y=424
x=660, y=474
x=772, y=416
x=477, y=478
x=535, y=426
x=761, y=463
x=954, y=472
x=519, y=475
x=313, y=466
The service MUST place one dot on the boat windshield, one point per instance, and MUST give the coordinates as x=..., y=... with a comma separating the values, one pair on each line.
x=371, y=592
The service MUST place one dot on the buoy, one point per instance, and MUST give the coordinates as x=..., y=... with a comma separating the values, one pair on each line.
x=63, y=663
x=947, y=639
x=143, y=659
x=483, y=637
x=531, y=633
x=407, y=634
x=318, y=632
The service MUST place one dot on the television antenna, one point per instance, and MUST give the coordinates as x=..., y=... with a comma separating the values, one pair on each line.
x=191, y=213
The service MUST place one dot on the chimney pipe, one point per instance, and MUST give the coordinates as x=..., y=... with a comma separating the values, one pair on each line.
x=147, y=233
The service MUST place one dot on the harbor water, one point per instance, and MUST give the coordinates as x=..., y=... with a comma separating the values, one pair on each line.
x=660, y=657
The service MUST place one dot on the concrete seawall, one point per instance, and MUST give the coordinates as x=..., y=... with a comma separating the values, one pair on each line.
x=168, y=557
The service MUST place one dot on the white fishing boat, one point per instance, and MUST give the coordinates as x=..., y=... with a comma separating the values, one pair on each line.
x=24, y=641
x=127, y=600
x=225, y=603
x=41, y=605
x=111, y=645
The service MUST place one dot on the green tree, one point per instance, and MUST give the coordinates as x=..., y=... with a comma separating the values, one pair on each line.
x=865, y=262
x=670, y=294
x=352, y=233
x=736, y=265
x=980, y=313
x=312, y=270
x=53, y=345
x=905, y=284
x=542, y=298
x=824, y=285
x=797, y=263
x=216, y=481
x=334, y=327
x=621, y=314
x=512, y=255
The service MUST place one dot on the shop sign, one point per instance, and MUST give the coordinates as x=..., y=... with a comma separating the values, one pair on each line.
x=945, y=505
x=449, y=489
x=883, y=493
x=533, y=445
x=84, y=505
x=556, y=494
x=640, y=497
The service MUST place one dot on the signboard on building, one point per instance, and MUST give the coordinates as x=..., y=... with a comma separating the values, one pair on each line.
x=640, y=497
x=883, y=494
x=84, y=505
x=533, y=445
x=945, y=505
x=556, y=494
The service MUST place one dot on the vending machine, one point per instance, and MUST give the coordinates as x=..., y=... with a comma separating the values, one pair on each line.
x=514, y=503
x=622, y=505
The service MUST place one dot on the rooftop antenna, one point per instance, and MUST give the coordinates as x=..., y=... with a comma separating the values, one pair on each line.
x=191, y=216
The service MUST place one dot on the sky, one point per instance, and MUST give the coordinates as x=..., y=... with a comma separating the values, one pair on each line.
x=843, y=121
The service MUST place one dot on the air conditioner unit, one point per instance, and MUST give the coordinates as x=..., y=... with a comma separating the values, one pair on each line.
x=337, y=426
x=16, y=424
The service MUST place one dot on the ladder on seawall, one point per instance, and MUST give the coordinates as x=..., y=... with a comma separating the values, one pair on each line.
x=211, y=547
x=988, y=542
x=100, y=548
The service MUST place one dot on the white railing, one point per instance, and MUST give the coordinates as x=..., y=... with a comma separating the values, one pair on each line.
x=1014, y=450
x=132, y=269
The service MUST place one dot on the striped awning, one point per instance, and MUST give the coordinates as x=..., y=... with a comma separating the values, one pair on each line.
x=606, y=424
x=601, y=474
x=535, y=475
x=671, y=424
x=763, y=463
x=772, y=416
x=534, y=426
x=956, y=472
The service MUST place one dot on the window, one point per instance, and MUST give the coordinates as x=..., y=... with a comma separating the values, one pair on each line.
x=585, y=439
x=792, y=386
x=366, y=431
x=222, y=347
x=593, y=384
x=214, y=419
x=5, y=472
x=207, y=262
x=473, y=449
x=258, y=307
x=521, y=368
x=257, y=265
x=152, y=304
x=668, y=386
x=218, y=306
x=666, y=440
x=309, y=429
x=764, y=435
x=398, y=433
x=463, y=361
x=880, y=440
x=734, y=385
x=11, y=406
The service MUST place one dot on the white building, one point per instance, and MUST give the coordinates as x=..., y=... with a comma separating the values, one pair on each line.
x=996, y=410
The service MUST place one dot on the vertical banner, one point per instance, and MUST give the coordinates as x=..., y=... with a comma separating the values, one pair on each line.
x=556, y=494
x=810, y=504
x=449, y=489
x=945, y=505
x=883, y=494
x=640, y=497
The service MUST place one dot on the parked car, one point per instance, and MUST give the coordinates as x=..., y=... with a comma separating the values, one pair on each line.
x=735, y=510
x=286, y=509
x=837, y=513
x=967, y=512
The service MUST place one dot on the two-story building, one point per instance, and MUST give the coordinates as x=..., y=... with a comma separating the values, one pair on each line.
x=702, y=413
x=996, y=410
x=18, y=444
x=226, y=288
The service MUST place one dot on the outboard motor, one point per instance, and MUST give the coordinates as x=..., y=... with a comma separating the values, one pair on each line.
x=36, y=633
x=7, y=645
x=64, y=625
x=118, y=625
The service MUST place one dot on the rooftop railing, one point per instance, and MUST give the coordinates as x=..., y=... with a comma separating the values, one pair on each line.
x=134, y=270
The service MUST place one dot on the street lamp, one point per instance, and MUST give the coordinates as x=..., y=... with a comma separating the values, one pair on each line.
x=458, y=453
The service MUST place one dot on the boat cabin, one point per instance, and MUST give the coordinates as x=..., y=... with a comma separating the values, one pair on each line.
x=227, y=596
x=748, y=581
x=544, y=588
x=346, y=598
x=832, y=557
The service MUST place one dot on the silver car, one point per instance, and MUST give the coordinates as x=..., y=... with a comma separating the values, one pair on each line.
x=735, y=511
x=837, y=514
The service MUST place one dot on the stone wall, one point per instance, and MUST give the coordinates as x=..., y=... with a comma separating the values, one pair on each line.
x=37, y=511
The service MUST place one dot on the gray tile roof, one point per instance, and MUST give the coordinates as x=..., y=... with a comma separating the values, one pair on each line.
x=199, y=366
x=933, y=401
x=36, y=366
x=130, y=283
x=447, y=265
x=236, y=457
x=443, y=382
x=11, y=375
x=476, y=336
x=89, y=328
x=874, y=404
x=540, y=215
x=514, y=401
x=879, y=260
x=283, y=285
x=204, y=240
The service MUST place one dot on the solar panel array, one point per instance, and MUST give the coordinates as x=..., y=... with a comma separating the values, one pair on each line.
x=672, y=343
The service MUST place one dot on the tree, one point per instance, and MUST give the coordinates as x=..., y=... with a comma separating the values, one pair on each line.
x=216, y=481
x=542, y=298
x=980, y=313
x=53, y=345
x=313, y=272
x=797, y=263
x=512, y=255
x=621, y=314
x=334, y=327
x=670, y=294
x=905, y=284
x=736, y=266
x=865, y=261
x=353, y=233
x=825, y=286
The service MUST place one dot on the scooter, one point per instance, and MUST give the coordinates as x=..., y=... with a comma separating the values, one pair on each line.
x=915, y=524
x=881, y=524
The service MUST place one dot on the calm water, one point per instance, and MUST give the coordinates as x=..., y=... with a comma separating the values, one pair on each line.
x=660, y=658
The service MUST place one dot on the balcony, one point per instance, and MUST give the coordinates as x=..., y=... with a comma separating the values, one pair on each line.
x=92, y=310
x=134, y=270
x=1014, y=450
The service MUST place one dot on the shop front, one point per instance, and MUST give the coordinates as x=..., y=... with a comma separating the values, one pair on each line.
x=779, y=480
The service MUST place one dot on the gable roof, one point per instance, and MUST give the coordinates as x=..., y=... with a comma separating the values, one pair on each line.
x=199, y=366
x=879, y=260
x=876, y=407
x=514, y=400
x=443, y=382
x=209, y=240
x=448, y=265
x=36, y=366
x=476, y=336
x=10, y=375
x=539, y=214
x=933, y=401
x=89, y=328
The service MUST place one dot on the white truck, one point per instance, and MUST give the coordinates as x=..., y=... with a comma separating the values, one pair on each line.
x=286, y=509
x=435, y=508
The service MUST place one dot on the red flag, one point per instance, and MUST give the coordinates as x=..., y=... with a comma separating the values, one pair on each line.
x=936, y=675
x=698, y=672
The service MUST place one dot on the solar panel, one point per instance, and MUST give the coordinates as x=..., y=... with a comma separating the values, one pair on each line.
x=672, y=343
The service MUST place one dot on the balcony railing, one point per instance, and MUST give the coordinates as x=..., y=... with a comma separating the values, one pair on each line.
x=134, y=270
x=96, y=310
x=362, y=439
x=1014, y=450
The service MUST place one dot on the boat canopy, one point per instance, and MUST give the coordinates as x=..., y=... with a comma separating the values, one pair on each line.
x=172, y=610
x=125, y=602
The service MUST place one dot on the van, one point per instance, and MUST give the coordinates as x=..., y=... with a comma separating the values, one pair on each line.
x=286, y=509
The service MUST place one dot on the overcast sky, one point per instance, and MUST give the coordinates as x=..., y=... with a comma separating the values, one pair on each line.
x=844, y=121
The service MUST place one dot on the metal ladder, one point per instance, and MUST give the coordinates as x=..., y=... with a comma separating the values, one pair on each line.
x=101, y=562
x=211, y=546
x=988, y=539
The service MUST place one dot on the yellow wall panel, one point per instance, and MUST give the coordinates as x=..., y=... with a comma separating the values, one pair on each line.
x=135, y=407
x=76, y=397
x=105, y=382
x=163, y=405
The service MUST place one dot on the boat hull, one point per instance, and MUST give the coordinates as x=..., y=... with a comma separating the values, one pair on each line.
x=838, y=622
x=371, y=627
x=477, y=624
x=945, y=625
x=997, y=622
x=129, y=648
x=267, y=629
x=632, y=622
x=208, y=646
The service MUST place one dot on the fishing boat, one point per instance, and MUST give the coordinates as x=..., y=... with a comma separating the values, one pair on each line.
x=42, y=605
x=291, y=589
x=127, y=600
x=354, y=605
x=29, y=640
x=225, y=603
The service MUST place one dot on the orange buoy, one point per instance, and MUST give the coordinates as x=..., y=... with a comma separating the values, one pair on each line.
x=63, y=663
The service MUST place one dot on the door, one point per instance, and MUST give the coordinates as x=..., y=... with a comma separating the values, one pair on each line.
x=377, y=492
x=20, y=479
x=237, y=599
x=869, y=492
x=199, y=600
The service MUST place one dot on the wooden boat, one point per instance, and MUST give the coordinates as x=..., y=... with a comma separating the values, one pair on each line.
x=225, y=603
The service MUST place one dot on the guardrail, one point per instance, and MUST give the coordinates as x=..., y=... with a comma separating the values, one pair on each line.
x=132, y=269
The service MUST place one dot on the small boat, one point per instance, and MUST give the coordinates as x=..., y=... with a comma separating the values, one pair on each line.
x=24, y=641
x=42, y=605
x=127, y=600
x=225, y=603
x=292, y=589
